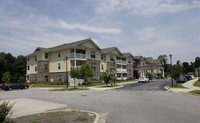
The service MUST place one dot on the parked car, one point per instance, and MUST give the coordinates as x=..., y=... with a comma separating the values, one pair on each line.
x=181, y=78
x=143, y=79
x=11, y=86
x=1, y=85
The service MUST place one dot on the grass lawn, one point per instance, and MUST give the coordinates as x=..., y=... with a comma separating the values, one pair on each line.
x=195, y=92
x=178, y=86
x=197, y=83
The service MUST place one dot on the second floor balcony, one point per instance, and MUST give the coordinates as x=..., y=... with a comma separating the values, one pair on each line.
x=77, y=56
x=121, y=62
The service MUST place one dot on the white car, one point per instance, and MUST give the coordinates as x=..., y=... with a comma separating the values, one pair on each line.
x=143, y=79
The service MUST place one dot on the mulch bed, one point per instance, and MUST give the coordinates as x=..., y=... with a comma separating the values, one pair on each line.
x=57, y=117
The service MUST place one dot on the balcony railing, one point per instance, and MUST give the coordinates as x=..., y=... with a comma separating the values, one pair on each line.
x=78, y=56
x=121, y=70
x=121, y=62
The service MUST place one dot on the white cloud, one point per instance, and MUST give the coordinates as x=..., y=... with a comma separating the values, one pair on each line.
x=83, y=27
x=143, y=7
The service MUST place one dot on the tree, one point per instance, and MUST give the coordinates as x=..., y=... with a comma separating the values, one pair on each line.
x=86, y=72
x=176, y=71
x=178, y=62
x=6, y=77
x=197, y=63
x=107, y=76
x=163, y=59
x=21, y=79
x=75, y=73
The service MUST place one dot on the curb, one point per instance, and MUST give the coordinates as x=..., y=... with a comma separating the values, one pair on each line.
x=98, y=119
x=168, y=89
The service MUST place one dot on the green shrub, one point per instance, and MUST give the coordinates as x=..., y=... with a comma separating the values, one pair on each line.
x=5, y=111
x=149, y=75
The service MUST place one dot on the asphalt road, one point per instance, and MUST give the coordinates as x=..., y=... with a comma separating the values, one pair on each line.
x=134, y=103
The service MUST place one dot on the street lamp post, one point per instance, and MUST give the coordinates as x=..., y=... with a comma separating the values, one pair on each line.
x=67, y=84
x=171, y=68
x=114, y=71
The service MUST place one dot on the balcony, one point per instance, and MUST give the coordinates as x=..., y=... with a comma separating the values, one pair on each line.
x=77, y=56
x=121, y=70
x=121, y=78
x=121, y=62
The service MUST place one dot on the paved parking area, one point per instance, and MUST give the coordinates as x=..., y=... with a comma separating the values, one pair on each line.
x=134, y=103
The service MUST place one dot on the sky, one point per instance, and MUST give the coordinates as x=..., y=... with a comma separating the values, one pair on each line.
x=143, y=27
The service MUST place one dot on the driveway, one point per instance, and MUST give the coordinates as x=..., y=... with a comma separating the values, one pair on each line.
x=131, y=104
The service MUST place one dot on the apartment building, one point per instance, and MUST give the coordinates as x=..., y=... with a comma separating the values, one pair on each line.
x=53, y=64
x=143, y=65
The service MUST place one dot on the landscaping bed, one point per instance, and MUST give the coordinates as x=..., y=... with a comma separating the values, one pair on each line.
x=57, y=117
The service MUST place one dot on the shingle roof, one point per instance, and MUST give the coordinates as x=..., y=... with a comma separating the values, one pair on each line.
x=127, y=54
x=151, y=65
x=137, y=57
x=110, y=49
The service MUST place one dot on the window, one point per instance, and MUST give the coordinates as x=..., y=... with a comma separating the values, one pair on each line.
x=102, y=66
x=27, y=67
x=59, y=54
x=59, y=78
x=92, y=54
x=59, y=66
x=35, y=58
x=101, y=57
x=93, y=66
x=112, y=67
x=46, y=55
x=129, y=70
x=46, y=66
x=35, y=68
x=111, y=58
x=28, y=59
x=35, y=78
x=46, y=79
x=129, y=61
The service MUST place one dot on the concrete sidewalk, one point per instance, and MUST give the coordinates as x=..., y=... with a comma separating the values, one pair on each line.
x=25, y=106
x=188, y=85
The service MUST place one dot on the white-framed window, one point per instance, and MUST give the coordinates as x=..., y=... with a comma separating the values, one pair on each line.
x=35, y=58
x=112, y=58
x=93, y=54
x=46, y=55
x=93, y=66
x=46, y=79
x=102, y=66
x=102, y=57
x=59, y=54
x=27, y=67
x=59, y=66
x=35, y=68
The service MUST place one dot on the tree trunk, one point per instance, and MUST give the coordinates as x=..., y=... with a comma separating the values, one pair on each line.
x=74, y=82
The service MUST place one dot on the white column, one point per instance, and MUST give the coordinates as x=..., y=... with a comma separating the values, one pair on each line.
x=75, y=57
x=163, y=72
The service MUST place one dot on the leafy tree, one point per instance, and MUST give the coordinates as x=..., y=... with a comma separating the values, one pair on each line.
x=150, y=76
x=163, y=59
x=178, y=62
x=176, y=71
x=86, y=72
x=75, y=73
x=107, y=76
x=21, y=79
x=6, y=77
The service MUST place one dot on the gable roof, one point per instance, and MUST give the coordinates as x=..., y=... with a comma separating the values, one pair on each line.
x=110, y=49
x=137, y=57
x=127, y=54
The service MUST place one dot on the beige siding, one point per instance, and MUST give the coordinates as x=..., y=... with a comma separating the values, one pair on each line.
x=54, y=60
x=31, y=63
